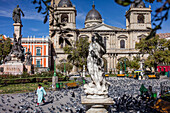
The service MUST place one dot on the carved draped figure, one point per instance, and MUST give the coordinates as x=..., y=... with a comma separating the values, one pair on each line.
x=95, y=65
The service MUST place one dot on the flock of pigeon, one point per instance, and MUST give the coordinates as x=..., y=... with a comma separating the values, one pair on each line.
x=124, y=91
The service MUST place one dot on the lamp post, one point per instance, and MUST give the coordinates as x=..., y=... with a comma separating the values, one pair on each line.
x=55, y=77
x=143, y=63
x=125, y=65
x=64, y=61
x=54, y=57
x=120, y=67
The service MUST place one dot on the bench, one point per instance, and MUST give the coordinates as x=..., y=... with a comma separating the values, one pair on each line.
x=71, y=85
x=120, y=75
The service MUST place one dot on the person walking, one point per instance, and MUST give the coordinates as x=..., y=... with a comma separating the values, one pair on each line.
x=41, y=93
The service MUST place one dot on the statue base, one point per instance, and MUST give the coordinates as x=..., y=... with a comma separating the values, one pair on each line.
x=28, y=67
x=54, y=81
x=96, y=105
x=14, y=68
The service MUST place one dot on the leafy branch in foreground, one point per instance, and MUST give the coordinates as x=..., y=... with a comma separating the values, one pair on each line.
x=158, y=18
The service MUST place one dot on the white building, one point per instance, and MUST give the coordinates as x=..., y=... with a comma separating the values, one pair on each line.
x=119, y=42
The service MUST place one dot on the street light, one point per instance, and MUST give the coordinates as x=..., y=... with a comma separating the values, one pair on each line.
x=143, y=63
x=64, y=61
x=120, y=67
x=125, y=65
x=54, y=57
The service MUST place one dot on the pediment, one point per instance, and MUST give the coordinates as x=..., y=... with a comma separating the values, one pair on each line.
x=103, y=28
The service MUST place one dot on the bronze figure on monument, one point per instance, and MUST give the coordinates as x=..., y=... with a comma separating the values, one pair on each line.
x=17, y=14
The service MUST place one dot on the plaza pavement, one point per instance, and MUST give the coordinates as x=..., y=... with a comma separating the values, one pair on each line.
x=64, y=101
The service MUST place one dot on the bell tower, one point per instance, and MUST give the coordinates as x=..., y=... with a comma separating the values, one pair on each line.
x=65, y=12
x=138, y=17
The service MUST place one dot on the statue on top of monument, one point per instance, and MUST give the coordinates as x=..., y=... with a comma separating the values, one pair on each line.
x=17, y=14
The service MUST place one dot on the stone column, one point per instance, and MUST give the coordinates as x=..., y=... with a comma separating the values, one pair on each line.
x=17, y=29
x=112, y=62
x=115, y=59
x=54, y=81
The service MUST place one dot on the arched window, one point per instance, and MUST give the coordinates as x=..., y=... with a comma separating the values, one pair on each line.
x=122, y=44
x=64, y=18
x=141, y=18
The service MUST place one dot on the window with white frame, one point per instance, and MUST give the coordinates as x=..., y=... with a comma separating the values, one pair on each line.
x=38, y=51
x=38, y=62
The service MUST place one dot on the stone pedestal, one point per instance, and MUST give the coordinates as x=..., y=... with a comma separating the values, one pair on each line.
x=17, y=29
x=96, y=105
x=28, y=67
x=14, y=68
x=54, y=81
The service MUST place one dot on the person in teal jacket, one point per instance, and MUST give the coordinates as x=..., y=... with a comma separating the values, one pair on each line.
x=41, y=93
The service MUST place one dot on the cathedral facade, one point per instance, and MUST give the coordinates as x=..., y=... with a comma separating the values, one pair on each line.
x=119, y=42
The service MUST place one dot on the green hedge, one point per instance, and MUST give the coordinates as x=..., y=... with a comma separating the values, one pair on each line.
x=26, y=75
x=25, y=80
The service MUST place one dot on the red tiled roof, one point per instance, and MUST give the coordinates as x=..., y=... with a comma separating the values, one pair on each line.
x=164, y=35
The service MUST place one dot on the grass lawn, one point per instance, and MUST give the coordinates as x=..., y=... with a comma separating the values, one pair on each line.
x=21, y=88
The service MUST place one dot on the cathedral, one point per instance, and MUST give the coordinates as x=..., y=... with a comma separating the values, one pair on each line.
x=119, y=42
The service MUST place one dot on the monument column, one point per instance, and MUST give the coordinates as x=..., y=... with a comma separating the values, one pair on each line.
x=17, y=29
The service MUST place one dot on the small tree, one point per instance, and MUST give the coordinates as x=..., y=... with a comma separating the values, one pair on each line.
x=158, y=50
x=5, y=48
x=122, y=60
x=68, y=67
x=134, y=64
x=77, y=54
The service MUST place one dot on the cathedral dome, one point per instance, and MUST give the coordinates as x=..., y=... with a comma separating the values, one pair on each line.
x=93, y=18
x=65, y=3
x=93, y=14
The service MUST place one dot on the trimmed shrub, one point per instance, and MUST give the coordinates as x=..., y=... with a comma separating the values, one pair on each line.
x=45, y=82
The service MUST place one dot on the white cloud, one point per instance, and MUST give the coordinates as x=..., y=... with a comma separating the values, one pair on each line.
x=34, y=29
x=32, y=15
x=81, y=16
x=5, y=13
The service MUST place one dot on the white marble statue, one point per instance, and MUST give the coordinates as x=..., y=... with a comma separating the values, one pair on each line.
x=98, y=87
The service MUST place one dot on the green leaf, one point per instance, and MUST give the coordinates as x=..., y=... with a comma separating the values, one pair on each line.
x=69, y=35
x=166, y=16
x=34, y=2
x=53, y=33
x=44, y=12
x=123, y=2
x=36, y=7
x=61, y=40
x=39, y=2
x=63, y=24
x=45, y=19
x=39, y=9
x=47, y=1
x=67, y=41
x=158, y=19
x=58, y=24
x=68, y=29
x=51, y=22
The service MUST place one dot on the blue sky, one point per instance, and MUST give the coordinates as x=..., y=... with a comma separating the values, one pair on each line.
x=112, y=14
